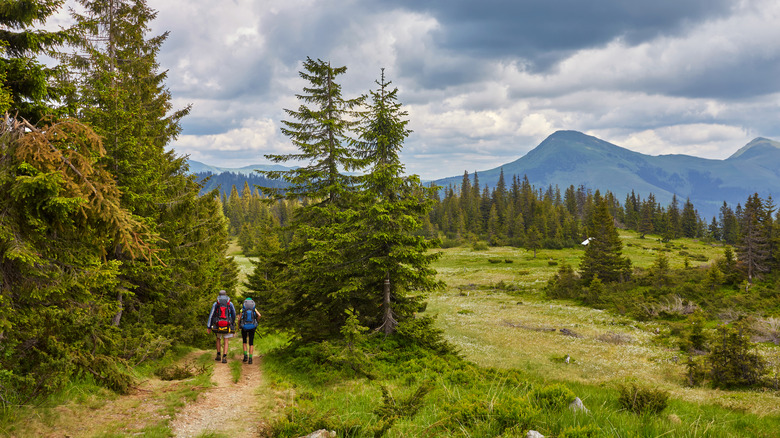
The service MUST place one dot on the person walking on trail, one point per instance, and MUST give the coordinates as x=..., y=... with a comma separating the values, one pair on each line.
x=248, y=323
x=221, y=322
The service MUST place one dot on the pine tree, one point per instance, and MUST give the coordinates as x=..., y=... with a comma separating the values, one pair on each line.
x=31, y=84
x=689, y=222
x=311, y=273
x=395, y=260
x=119, y=89
x=603, y=255
x=754, y=247
x=728, y=225
x=62, y=216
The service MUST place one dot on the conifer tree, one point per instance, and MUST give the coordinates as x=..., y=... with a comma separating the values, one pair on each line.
x=119, y=89
x=395, y=259
x=754, y=247
x=603, y=255
x=31, y=84
x=689, y=221
x=311, y=270
x=61, y=218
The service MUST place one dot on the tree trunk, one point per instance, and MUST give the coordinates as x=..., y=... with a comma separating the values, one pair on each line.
x=118, y=316
x=388, y=322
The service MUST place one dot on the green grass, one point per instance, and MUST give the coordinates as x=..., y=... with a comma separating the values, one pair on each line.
x=498, y=318
x=235, y=370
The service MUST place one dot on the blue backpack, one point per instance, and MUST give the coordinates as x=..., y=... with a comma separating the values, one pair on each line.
x=248, y=316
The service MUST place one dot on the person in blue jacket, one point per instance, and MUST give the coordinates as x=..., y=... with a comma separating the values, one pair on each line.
x=222, y=322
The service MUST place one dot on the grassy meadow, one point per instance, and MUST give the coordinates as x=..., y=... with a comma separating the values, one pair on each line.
x=494, y=312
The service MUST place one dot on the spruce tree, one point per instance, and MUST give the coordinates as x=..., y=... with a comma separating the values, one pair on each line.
x=118, y=89
x=32, y=85
x=603, y=255
x=393, y=259
x=310, y=272
x=753, y=249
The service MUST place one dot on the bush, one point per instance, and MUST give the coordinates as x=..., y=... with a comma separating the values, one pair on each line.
x=732, y=361
x=642, y=400
x=586, y=431
x=450, y=243
x=495, y=260
x=421, y=331
x=480, y=246
x=179, y=372
x=552, y=397
x=564, y=284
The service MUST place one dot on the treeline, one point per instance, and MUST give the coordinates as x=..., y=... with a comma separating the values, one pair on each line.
x=225, y=180
x=518, y=214
x=107, y=251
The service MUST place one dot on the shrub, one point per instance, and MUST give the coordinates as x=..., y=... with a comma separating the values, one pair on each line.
x=552, y=397
x=564, y=284
x=179, y=372
x=732, y=361
x=585, y=431
x=495, y=260
x=422, y=332
x=480, y=246
x=450, y=243
x=641, y=400
x=616, y=338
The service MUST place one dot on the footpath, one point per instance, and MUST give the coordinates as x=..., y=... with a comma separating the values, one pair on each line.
x=222, y=409
x=229, y=409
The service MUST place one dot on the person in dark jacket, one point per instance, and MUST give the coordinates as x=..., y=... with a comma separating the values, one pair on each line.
x=222, y=321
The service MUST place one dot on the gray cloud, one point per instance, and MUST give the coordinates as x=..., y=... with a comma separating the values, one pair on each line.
x=484, y=82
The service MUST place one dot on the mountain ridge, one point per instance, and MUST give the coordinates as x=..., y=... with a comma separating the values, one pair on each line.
x=569, y=157
x=573, y=158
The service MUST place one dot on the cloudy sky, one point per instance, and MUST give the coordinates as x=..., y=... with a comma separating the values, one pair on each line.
x=483, y=81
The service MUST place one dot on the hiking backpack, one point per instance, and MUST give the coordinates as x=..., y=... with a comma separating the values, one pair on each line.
x=248, y=317
x=222, y=321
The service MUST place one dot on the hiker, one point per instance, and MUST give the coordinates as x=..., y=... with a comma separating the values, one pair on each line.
x=222, y=322
x=248, y=323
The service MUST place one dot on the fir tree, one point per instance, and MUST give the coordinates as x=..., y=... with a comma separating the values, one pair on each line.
x=603, y=255
x=31, y=84
x=311, y=275
x=119, y=89
x=395, y=260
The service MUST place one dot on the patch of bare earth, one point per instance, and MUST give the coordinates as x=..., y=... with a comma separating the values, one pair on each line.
x=127, y=414
x=226, y=409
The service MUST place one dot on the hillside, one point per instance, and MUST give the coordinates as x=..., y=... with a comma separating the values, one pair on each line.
x=573, y=158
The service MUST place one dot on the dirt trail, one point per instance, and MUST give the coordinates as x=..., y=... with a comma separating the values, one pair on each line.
x=228, y=408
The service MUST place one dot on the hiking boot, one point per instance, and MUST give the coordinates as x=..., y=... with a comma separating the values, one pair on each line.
x=224, y=359
x=218, y=356
x=245, y=358
x=250, y=360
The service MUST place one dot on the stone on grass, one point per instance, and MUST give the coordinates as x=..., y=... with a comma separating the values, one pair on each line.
x=322, y=433
x=534, y=434
x=577, y=406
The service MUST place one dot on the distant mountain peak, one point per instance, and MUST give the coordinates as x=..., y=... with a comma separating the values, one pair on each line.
x=755, y=145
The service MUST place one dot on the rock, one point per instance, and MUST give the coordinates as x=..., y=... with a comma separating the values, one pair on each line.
x=568, y=332
x=577, y=405
x=322, y=433
x=534, y=434
x=566, y=359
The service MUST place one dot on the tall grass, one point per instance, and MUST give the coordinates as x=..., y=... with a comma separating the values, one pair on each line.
x=511, y=346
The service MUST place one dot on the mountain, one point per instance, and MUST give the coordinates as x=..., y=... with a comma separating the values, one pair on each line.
x=572, y=158
x=198, y=167
x=224, y=178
